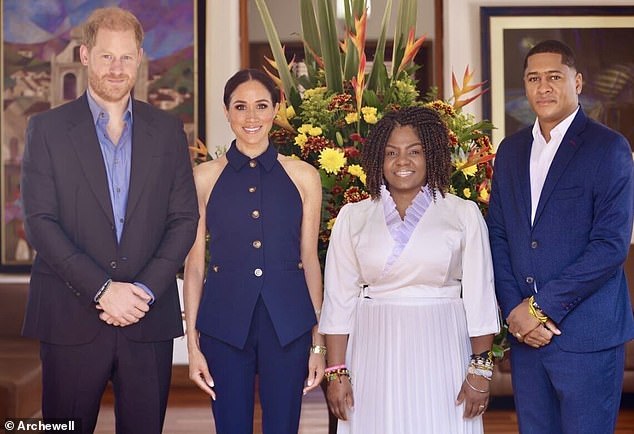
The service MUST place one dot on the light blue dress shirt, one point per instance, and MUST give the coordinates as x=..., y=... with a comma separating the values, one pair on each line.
x=116, y=157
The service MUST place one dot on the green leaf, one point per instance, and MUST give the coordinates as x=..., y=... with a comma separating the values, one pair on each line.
x=406, y=20
x=371, y=99
x=276, y=47
x=378, y=74
x=310, y=32
x=358, y=7
x=347, y=8
x=351, y=65
x=330, y=45
x=327, y=181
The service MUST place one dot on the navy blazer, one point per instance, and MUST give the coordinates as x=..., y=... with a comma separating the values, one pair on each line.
x=575, y=249
x=69, y=222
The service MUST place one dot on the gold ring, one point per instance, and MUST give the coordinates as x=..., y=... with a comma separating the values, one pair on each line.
x=481, y=406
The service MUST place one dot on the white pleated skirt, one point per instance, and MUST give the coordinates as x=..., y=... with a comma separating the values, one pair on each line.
x=408, y=358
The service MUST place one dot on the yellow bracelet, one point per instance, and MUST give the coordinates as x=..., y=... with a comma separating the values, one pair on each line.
x=536, y=313
x=318, y=349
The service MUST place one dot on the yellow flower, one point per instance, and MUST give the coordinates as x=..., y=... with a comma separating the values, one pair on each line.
x=352, y=117
x=452, y=190
x=290, y=112
x=300, y=140
x=484, y=195
x=370, y=115
x=371, y=119
x=315, y=131
x=331, y=160
x=469, y=171
x=310, y=130
x=331, y=223
x=356, y=170
x=304, y=129
x=295, y=157
x=368, y=110
x=467, y=192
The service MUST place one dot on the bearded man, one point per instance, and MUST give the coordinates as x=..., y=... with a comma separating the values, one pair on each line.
x=111, y=209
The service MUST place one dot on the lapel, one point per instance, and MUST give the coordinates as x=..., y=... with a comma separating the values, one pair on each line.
x=142, y=151
x=567, y=149
x=84, y=140
x=524, y=177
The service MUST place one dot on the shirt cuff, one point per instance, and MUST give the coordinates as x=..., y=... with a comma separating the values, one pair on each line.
x=146, y=289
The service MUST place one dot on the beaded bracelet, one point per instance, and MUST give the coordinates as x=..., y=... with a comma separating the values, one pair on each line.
x=337, y=374
x=484, y=373
x=482, y=361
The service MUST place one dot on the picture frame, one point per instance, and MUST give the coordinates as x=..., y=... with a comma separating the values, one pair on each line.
x=597, y=35
x=40, y=69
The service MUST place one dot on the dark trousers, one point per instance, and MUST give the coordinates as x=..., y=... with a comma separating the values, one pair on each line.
x=559, y=392
x=281, y=373
x=75, y=376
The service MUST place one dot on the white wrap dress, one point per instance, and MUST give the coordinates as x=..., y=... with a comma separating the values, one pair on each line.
x=409, y=311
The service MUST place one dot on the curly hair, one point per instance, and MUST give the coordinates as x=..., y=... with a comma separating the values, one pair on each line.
x=434, y=136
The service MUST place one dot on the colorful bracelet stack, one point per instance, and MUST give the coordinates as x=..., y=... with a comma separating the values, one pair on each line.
x=336, y=372
x=535, y=311
x=481, y=365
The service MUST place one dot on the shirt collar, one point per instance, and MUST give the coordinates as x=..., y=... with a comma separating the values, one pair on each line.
x=97, y=111
x=558, y=131
x=237, y=159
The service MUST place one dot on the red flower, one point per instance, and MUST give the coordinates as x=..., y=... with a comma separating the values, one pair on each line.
x=351, y=152
x=356, y=137
x=354, y=194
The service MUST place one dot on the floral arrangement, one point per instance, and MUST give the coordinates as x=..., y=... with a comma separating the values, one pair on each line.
x=326, y=114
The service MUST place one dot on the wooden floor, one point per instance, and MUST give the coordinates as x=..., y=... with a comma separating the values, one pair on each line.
x=189, y=412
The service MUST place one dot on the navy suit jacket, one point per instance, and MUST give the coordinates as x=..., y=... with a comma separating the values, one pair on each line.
x=69, y=222
x=575, y=249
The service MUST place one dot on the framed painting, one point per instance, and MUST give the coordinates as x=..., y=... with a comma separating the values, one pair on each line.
x=601, y=38
x=40, y=69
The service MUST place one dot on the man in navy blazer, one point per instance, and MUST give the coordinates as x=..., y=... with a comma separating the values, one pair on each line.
x=111, y=209
x=560, y=222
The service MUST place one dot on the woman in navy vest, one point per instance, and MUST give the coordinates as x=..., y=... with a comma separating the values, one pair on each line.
x=255, y=312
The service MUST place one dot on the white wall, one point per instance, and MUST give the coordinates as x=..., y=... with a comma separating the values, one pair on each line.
x=462, y=34
x=222, y=61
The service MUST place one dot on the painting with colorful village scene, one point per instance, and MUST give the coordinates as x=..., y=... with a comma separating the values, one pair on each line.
x=41, y=69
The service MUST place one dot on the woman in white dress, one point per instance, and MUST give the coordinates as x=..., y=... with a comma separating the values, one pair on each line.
x=409, y=309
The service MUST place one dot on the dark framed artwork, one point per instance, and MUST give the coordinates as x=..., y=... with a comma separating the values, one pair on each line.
x=40, y=69
x=601, y=37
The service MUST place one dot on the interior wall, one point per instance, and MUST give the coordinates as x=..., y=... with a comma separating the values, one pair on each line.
x=462, y=34
x=222, y=61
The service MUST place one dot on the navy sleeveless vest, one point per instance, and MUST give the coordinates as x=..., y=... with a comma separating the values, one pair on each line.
x=254, y=217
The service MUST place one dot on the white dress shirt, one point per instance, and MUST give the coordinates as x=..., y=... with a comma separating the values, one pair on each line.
x=542, y=156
